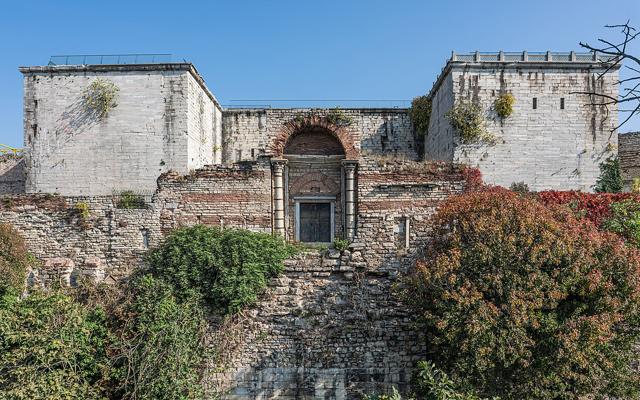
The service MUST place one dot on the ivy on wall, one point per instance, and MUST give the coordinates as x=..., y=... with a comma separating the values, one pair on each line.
x=469, y=122
x=420, y=113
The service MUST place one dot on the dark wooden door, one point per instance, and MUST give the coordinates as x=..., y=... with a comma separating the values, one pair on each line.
x=315, y=222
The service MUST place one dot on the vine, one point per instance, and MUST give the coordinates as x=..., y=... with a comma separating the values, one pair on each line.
x=420, y=113
x=468, y=121
x=504, y=105
x=100, y=97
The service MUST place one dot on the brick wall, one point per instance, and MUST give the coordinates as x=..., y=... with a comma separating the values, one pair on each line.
x=249, y=133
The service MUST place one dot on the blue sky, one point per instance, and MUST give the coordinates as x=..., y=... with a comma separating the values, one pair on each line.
x=365, y=49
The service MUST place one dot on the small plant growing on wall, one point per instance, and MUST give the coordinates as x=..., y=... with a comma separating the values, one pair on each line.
x=100, y=97
x=341, y=244
x=338, y=117
x=420, y=113
x=468, y=121
x=131, y=201
x=504, y=105
x=82, y=212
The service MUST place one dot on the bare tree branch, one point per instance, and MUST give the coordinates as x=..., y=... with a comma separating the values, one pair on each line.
x=618, y=55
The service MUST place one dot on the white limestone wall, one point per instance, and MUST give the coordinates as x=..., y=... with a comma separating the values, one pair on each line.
x=72, y=152
x=439, y=142
x=547, y=147
x=204, y=126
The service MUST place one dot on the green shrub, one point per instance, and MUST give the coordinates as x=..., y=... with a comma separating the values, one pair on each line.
x=51, y=348
x=15, y=260
x=610, y=179
x=524, y=301
x=160, y=348
x=504, y=105
x=341, y=244
x=395, y=395
x=467, y=119
x=420, y=113
x=520, y=187
x=131, y=201
x=228, y=268
x=625, y=221
x=434, y=384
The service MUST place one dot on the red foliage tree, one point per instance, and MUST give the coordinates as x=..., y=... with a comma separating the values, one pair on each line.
x=522, y=300
x=594, y=206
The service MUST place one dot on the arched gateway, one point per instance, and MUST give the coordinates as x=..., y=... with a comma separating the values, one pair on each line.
x=314, y=185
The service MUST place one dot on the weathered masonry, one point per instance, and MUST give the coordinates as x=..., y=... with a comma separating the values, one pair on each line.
x=330, y=327
x=553, y=140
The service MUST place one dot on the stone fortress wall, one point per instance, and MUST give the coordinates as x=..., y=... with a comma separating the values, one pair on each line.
x=165, y=119
x=331, y=326
x=559, y=144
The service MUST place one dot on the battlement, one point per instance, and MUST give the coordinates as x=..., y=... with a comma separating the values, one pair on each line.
x=526, y=56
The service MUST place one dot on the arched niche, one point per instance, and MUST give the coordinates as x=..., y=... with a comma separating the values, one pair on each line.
x=314, y=142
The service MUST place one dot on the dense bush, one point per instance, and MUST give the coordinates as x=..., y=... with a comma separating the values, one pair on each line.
x=138, y=340
x=520, y=300
x=159, y=350
x=625, y=221
x=594, y=206
x=14, y=259
x=431, y=384
x=420, y=113
x=610, y=179
x=52, y=348
x=228, y=268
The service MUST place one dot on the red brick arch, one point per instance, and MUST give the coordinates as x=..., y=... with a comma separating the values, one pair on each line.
x=314, y=123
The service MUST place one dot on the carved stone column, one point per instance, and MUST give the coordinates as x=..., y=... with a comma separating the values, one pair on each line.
x=278, y=196
x=350, y=198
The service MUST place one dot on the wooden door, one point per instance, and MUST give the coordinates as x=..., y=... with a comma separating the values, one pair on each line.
x=315, y=222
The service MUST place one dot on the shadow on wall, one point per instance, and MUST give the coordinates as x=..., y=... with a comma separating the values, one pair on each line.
x=75, y=120
x=12, y=176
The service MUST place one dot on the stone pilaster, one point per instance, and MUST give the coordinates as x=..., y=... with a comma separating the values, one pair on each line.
x=278, y=196
x=350, y=197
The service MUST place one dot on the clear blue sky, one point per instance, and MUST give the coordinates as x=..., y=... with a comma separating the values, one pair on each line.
x=366, y=49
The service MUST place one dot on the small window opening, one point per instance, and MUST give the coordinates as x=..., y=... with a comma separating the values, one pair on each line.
x=562, y=103
x=401, y=232
x=253, y=154
x=145, y=238
x=535, y=103
x=238, y=155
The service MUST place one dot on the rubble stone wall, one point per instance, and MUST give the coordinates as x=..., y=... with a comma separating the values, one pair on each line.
x=331, y=326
